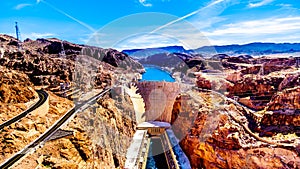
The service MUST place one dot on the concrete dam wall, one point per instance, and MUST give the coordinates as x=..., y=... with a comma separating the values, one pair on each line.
x=159, y=98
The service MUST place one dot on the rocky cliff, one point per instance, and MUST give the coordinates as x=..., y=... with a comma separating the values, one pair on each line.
x=216, y=135
x=53, y=61
x=227, y=134
x=101, y=133
x=15, y=87
x=101, y=136
x=16, y=93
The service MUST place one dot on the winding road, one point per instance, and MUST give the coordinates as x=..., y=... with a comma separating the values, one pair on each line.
x=43, y=96
x=43, y=138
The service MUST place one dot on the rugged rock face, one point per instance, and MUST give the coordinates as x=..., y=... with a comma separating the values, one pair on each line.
x=163, y=60
x=102, y=133
x=46, y=63
x=226, y=133
x=220, y=138
x=287, y=99
x=253, y=85
x=16, y=93
x=281, y=121
x=216, y=83
x=203, y=83
x=16, y=136
x=113, y=57
x=15, y=87
x=101, y=137
x=260, y=90
x=290, y=81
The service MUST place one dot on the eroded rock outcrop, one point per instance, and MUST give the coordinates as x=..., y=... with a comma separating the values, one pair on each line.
x=53, y=61
x=286, y=99
x=102, y=134
x=220, y=138
x=15, y=87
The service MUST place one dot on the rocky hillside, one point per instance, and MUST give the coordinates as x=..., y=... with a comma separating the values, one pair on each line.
x=217, y=135
x=16, y=93
x=53, y=61
x=256, y=126
x=84, y=71
x=15, y=87
x=16, y=136
x=101, y=136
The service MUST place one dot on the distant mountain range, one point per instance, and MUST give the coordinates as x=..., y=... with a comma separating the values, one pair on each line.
x=154, y=51
x=250, y=49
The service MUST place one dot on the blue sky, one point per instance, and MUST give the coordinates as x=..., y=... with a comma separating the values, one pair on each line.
x=150, y=23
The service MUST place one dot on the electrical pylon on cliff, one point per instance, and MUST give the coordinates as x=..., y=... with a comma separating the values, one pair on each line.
x=297, y=62
x=62, y=53
x=18, y=34
x=261, y=71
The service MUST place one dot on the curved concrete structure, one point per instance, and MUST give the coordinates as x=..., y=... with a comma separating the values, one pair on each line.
x=138, y=103
x=159, y=98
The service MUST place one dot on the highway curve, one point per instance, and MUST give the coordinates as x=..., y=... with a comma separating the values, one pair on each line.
x=8, y=163
x=43, y=96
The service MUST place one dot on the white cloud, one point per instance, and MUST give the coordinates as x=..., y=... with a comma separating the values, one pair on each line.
x=146, y=41
x=33, y=35
x=258, y=27
x=20, y=6
x=261, y=3
x=145, y=3
x=263, y=30
x=285, y=5
x=36, y=35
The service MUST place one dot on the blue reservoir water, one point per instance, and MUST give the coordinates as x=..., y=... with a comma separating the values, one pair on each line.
x=156, y=74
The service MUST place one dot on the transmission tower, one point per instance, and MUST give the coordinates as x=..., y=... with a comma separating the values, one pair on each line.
x=18, y=32
x=297, y=62
x=62, y=52
x=261, y=71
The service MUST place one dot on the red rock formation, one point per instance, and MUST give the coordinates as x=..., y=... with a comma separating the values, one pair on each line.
x=203, y=83
x=221, y=139
x=287, y=99
x=234, y=77
x=290, y=81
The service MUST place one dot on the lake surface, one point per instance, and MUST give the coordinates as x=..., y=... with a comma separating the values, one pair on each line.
x=156, y=74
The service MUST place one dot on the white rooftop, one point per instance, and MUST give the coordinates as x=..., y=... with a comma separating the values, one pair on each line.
x=154, y=124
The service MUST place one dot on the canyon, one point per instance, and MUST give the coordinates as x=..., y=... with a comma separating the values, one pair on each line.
x=226, y=111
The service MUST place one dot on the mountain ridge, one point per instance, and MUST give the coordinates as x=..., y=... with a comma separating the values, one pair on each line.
x=255, y=48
